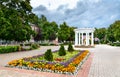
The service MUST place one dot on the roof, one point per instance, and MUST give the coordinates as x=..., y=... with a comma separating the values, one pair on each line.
x=84, y=30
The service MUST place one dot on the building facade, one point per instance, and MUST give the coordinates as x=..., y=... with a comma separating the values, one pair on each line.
x=84, y=37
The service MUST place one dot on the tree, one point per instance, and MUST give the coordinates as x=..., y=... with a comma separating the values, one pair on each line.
x=101, y=34
x=34, y=19
x=63, y=32
x=70, y=48
x=15, y=18
x=53, y=31
x=62, y=51
x=48, y=29
x=114, y=31
x=38, y=35
x=48, y=55
x=72, y=34
x=41, y=21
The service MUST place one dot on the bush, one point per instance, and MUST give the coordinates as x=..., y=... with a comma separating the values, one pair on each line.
x=19, y=48
x=48, y=55
x=44, y=44
x=115, y=44
x=47, y=44
x=34, y=46
x=62, y=51
x=8, y=49
x=70, y=47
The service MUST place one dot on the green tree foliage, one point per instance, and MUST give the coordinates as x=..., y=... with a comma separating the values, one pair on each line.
x=70, y=47
x=53, y=31
x=113, y=33
x=110, y=36
x=38, y=35
x=40, y=22
x=48, y=55
x=72, y=34
x=63, y=32
x=48, y=29
x=34, y=19
x=15, y=16
x=62, y=51
x=101, y=34
x=34, y=46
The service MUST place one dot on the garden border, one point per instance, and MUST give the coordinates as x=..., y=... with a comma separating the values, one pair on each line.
x=57, y=72
x=81, y=73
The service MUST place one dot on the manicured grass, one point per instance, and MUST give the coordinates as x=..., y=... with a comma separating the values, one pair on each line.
x=57, y=57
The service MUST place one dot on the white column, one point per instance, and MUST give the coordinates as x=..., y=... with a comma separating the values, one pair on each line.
x=82, y=38
x=92, y=39
x=76, y=37
x=79, y=39
x=88, y=38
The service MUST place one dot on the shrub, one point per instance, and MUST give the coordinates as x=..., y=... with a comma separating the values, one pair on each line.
x=70, y=47
x=48, y=55
x=34, y=46
x=8, y=49
x=115, y=44
x=19, y=48
x=62, y=51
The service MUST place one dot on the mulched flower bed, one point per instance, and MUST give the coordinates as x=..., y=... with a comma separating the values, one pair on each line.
x=70, y=67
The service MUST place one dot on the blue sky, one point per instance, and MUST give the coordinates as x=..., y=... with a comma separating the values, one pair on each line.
x=79, y=13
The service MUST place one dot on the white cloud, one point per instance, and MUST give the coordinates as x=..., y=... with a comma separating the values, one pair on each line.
x=54, y=4
x=82, y=13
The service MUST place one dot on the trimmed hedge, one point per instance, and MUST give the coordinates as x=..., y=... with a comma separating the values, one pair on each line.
x=70, y=47
x=34, y=46
x=47, y=44
x=115, y=44
x=8, y=49
x=26, y=47
x=48, y=55
x=62, y=51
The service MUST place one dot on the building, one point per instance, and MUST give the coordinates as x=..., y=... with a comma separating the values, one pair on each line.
x=84, y=37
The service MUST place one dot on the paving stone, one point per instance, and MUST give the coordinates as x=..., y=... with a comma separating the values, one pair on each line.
x=106, y=62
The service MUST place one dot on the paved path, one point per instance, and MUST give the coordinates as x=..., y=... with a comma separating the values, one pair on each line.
x=5, y=58
x=106, y=63
x=15, y=72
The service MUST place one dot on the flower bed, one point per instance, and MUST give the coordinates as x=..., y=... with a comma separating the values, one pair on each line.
x=70, y=66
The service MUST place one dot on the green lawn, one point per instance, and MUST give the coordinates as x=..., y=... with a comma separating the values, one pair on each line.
x=56, y=56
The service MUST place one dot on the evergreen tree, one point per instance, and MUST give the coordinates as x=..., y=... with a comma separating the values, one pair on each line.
x=62, y=51
x=48, y=55
x=70, y=47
